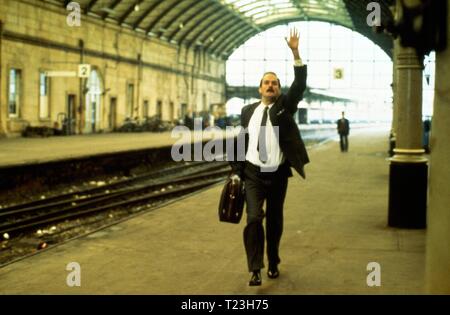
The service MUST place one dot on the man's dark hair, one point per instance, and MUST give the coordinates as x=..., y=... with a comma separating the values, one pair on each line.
x=269, y=72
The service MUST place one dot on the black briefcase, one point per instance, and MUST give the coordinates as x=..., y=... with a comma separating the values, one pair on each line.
x=231, y=205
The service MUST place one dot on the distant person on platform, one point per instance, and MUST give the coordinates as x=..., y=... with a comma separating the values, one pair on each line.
x=343, y=128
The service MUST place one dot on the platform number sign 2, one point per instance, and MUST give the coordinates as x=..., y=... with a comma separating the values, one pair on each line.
x=84, y=70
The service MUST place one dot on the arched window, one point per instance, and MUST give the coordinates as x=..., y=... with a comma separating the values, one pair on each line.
x=344, y=68
x=93, y=106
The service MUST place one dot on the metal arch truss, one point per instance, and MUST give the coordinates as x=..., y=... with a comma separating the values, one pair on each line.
x=220, y=26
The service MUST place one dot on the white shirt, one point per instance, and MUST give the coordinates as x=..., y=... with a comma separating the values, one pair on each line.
x=274, y=154
x=298, y=62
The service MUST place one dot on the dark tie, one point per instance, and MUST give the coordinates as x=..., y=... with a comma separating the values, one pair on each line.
x=262, y=149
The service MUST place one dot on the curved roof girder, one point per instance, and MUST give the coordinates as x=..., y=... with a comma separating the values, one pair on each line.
x=150, y=9
x=227, y=32
x=89, y=6
x=261, y=10
x=199, y=22
x=233, y=43
x=212, y=22
x=358, y=12
x=161, y=15
x=173, y=21
x=191, y=17
x=216, y=27
x=111, y=7
x=128, y=12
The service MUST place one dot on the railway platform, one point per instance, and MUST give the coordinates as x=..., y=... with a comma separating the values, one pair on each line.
x=28, y=151
x=17, y=151
x=335, y=225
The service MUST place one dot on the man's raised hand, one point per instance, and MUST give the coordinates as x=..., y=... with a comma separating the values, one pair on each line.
x=293, y=39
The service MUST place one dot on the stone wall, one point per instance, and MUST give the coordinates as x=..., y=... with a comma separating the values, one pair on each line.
x=36, y=37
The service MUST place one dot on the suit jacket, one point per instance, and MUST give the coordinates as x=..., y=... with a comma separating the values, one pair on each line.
x=281, y=115
x=343, y=126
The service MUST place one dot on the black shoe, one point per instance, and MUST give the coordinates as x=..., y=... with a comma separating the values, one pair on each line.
x=255, y=279
x=273, y=272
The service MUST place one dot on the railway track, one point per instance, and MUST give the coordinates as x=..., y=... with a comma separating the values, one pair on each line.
x=165, y=184
x=30, y=227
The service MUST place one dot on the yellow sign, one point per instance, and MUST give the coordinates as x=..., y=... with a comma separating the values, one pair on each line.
x=338, y=73
x=84, y=70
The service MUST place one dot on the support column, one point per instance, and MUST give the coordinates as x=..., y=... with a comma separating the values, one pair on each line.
x=437, y=270
x=394, y=85
x=393, y=134
x=81, y=112
x=408, y=167
x=2, y=130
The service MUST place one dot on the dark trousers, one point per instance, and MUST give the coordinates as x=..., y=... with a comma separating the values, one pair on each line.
x=260, y=187
x=344, y=142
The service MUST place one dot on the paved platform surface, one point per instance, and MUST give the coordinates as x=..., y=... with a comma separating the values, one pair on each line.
x=335, y=225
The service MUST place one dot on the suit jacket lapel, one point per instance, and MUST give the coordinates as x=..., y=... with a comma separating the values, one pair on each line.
x=273, y=112
x=249, y=114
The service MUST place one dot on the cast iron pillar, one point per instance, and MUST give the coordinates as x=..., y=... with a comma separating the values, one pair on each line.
x=408, y=167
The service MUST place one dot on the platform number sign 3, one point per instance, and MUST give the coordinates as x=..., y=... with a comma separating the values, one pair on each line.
x=84, y=70
x=338, y=73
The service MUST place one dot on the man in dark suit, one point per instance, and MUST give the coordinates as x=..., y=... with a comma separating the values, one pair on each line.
x=272, y=145
x=343, y=127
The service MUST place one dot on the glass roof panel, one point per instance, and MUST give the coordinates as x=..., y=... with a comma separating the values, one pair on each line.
x=252, y=5
x=285, y=14
x=270, y=11
x=256, y=11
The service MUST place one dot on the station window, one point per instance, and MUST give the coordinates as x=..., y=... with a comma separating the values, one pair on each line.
x=159, y=109
x=145, y=112
x=172, y=111
x=184, y=110
x=205, y=103
x=130, y=100
x=15, y=78
x=44, y=85
x=344, y=67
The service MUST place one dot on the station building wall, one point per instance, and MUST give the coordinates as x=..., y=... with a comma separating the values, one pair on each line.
x=36, y=38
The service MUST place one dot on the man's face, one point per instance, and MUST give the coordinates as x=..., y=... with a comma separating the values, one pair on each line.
x=269, y=88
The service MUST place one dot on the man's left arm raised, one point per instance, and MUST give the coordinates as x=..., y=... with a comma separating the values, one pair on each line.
x=295, y=93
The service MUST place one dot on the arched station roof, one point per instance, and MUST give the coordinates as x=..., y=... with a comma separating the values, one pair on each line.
x=221, y=26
